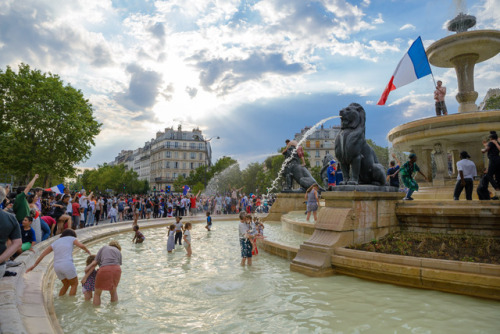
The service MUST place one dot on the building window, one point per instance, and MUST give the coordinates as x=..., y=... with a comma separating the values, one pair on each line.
x=174, y=176
x=317, y=163
x=184, y=136
x=317, y=154
x=183, y=165
x=167, y=164
x=168, y=144
x=317, y=144
x=192, y=165
x=192, y=146
x=201, y=156
x=184, y=156
x=176, y=165
x=176, y=154
x=176, y=144
x=184, y=174
x=193, y=155
x=184, y=145
x=327, y=152
x=167, y=154
x=308, y=143
x=200, y=146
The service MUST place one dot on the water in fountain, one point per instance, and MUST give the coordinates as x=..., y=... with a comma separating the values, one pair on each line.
x=220, y=181
x=287, y=160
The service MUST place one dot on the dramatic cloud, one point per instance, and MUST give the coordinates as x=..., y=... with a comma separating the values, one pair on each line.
x=142, y=90
x=223, y=75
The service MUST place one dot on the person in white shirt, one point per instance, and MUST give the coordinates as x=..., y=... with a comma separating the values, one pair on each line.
x=465, y=178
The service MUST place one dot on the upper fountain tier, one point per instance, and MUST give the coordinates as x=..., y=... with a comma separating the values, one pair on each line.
x=462, y=51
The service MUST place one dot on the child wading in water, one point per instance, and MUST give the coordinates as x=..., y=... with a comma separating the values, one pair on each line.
x=187, y=238
x=171, y=238
x=245, y=244
x=138, y=237
x=88, y=281
x=63, y=260
x=209, y=221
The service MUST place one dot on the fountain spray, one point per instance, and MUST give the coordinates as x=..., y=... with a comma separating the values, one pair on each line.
x=287, y=160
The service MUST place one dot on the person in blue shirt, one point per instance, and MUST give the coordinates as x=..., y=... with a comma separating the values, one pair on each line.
x=392, y=177
x=330, y=172
x=209, y=221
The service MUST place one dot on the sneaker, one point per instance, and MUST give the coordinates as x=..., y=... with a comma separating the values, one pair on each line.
x=9, y=273
x=11, y=263
x=410, y=198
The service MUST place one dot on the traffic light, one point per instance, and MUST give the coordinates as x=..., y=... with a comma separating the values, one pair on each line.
x=154, y=188
x=124, y=186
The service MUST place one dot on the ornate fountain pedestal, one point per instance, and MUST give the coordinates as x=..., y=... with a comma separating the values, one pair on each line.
x=463, y=51
x=347, y=218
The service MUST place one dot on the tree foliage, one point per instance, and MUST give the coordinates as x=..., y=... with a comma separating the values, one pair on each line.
x=493, y=103
x=46, y=127
x=115, y=178
x=382, y=153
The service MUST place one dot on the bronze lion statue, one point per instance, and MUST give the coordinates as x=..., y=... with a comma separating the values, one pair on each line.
x=358, y=161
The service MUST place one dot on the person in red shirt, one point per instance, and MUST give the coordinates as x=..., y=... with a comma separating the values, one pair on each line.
x=193, y=203
x=75, y=218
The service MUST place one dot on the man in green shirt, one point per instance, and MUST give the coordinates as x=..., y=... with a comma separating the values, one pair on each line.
x=21, y=207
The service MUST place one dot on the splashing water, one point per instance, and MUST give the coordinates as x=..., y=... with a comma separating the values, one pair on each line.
x=287, y=160
x=219, y=181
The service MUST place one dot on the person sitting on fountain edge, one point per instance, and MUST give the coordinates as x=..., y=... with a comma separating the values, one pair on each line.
x=439, y=95
x=300, y=150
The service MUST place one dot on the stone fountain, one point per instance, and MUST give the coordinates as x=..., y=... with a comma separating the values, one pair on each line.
x=463, y=51
x=434, y=138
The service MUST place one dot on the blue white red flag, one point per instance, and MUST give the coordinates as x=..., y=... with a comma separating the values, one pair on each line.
x=185, y=190
x=413, y=66
x=59, y=189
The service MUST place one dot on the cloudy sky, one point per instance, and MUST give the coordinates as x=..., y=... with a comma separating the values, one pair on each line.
x=252, y=72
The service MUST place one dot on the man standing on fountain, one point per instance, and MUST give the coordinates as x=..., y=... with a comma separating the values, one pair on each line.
x=439, y=95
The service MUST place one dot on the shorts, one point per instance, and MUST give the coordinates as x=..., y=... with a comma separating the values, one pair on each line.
x=312, y=207
x=108, y=277
x=26, y=246
x=186, y=245
x=148, y=210
x=331, y=184
x=246, y=248
x=65, y=270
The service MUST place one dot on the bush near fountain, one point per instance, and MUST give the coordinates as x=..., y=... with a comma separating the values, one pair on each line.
x=468, y=248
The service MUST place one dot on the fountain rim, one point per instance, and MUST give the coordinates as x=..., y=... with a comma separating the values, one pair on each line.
x=434, y=127
x=439, y=52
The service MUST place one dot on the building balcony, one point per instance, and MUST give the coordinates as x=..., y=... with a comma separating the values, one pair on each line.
x=163, y=179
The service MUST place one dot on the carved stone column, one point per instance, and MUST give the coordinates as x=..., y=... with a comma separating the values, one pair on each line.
x=464, y=67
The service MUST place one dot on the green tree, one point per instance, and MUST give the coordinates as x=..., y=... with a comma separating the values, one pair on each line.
x=493, y=103
x=382, y=153
x=115, y=178
x=46, y=127
x=315, y=172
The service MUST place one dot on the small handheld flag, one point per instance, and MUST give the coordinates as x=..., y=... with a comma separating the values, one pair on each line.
x=413, y=66
x=59, y=189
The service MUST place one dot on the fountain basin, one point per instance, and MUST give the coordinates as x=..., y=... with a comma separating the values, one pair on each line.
x=211, y=292
x=484, y=43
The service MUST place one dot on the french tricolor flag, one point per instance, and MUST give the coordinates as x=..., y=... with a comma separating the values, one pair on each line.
x=413, y=66
x=59, y=189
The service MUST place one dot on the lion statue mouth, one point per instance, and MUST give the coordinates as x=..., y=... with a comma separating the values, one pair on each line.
x=358, y=161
